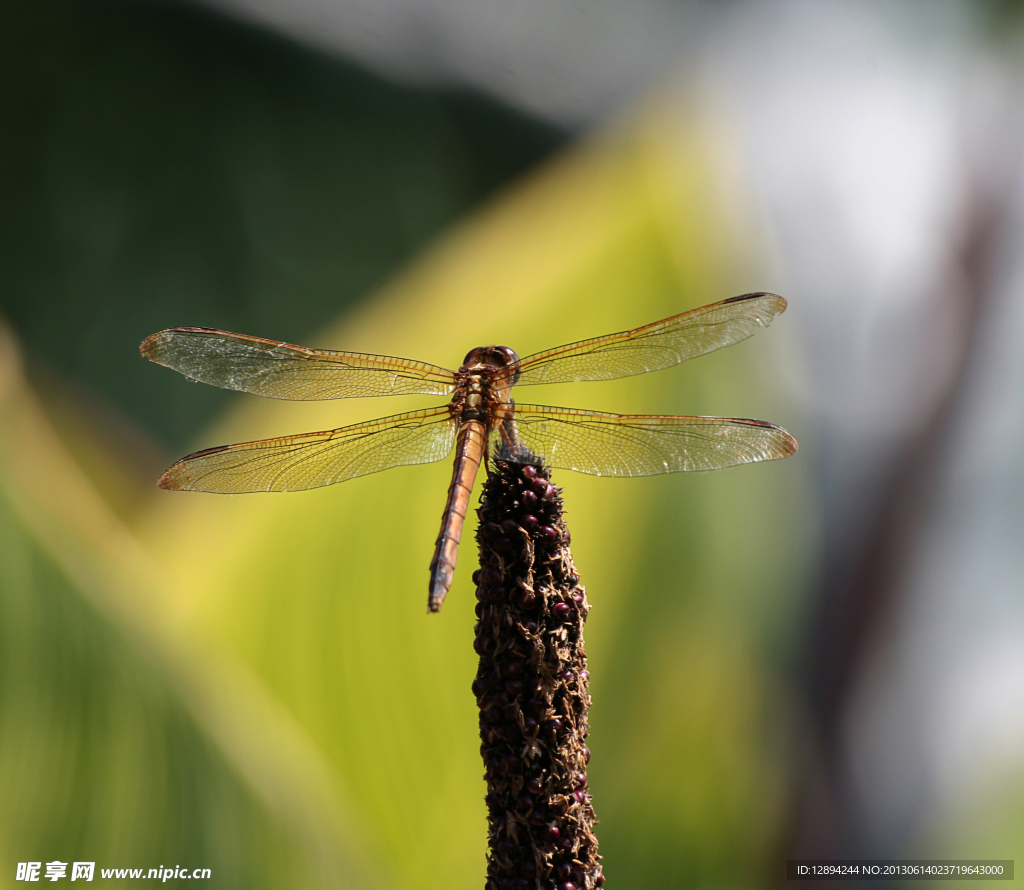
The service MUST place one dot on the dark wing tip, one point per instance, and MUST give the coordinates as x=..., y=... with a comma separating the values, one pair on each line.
x=153, y=344
x=778, y=303
x=786, y=445
x=177, y=477
x=171, y=479
x=789, y=444
x=150, y=347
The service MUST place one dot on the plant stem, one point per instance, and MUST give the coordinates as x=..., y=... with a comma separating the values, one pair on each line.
x=531, y=687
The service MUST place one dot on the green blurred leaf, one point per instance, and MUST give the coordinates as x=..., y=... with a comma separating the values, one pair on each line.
x=123, y=741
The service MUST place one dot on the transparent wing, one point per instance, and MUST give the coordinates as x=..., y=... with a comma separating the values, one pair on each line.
x=294, y=463
x=645, y=444
x=654, y=346
x=283, y=371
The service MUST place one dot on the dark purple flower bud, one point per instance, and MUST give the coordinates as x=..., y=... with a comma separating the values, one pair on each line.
x=528, y=869
x=506, y=884
x=553, y=833
x=541, y=486
x=514, y=669
x=509, y=764
x=509, y=527
x=586, y=755
x=584, y=676
x=555, y=725
x=493, y=715
x=490, y=530
x=476, y=576
x=529, y=472
x=531, y=626
x=514, y=687
x=567, y=536
x=502, y=545
x=490, y=577
x=524, y=803
x=535, y=785
x=560, y=611
x=577, y=598
x=511, y=712
x=530, y=522
x=537, y=818
x=563, y=870
x=567, y=885
x=566, y=844
x=506, y=846
x=526, y=599
x=599, y=879
x=529, y=725
x=478, y=687
x=501, y=699
x=581, y=796
x=479, y=609
x=581, y=780
x=574, y=580
x=482, y=644
x=495, y=594
x=568, y=676
x=536, y=705
x=491, y=799
x=481, y=594
x=547, y=534
x=529, y=500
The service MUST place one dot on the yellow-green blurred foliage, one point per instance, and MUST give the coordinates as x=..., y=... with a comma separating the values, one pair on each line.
x=252, y=683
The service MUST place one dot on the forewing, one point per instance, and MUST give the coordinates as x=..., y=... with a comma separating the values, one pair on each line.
x=283, y=371
x=644, y=444
x=294, y=463
x=660, y=344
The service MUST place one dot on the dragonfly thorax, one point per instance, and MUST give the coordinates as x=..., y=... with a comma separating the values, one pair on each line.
x=482, y=386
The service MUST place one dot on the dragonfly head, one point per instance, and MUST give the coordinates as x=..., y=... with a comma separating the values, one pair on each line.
x=496, y=356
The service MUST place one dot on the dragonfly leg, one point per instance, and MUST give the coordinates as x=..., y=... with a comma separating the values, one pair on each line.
x=508, y=427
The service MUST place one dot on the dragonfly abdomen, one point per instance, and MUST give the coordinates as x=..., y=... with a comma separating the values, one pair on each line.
x=469, y=451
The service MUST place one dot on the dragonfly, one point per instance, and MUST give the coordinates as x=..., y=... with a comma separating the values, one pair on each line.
x=480, y=413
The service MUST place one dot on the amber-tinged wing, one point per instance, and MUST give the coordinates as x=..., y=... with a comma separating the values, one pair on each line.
x=294, y=463
x=283, y=371
x=645, y=444
x=660, y=344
